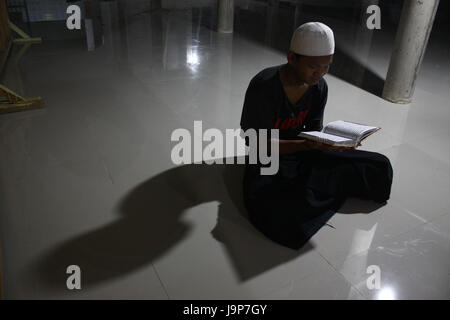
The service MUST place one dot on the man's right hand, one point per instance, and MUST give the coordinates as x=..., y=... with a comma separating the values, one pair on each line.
x=292, y=146
x=323, y=146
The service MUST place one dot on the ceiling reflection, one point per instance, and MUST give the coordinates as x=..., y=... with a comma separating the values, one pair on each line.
x=192, y=58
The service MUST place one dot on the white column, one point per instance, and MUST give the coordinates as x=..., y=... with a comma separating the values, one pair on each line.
x=109, y=11
x=411, y=40
x=225, y=16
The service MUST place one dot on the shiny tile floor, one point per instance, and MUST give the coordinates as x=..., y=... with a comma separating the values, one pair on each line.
x=89, y=181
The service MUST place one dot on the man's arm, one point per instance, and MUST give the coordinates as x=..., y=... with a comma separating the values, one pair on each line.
x=257, y=113
x=289, y=146
x=293, y=146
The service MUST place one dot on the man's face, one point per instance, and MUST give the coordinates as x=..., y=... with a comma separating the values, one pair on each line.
x=310, y=69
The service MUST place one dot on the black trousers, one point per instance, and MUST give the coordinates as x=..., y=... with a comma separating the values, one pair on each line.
x=291, y=206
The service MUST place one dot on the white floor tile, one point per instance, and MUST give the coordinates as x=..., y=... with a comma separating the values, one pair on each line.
x=421, y=183
x=413, y=265
x=360, y=226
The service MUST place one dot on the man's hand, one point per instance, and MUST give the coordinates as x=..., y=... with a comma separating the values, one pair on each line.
x=292, y=146
x=323, y=146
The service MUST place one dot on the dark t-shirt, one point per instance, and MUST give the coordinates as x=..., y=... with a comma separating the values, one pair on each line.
x=267, y=106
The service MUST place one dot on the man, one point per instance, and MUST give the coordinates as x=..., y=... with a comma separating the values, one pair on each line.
x=314, y=179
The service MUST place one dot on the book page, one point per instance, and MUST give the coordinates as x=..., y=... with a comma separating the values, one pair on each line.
x=349, y=129
x=327, y=138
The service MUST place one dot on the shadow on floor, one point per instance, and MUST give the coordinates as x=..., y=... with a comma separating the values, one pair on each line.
x=351, y=71
x=151, y=224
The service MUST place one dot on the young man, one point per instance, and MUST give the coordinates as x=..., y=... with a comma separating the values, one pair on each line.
x=314, y=179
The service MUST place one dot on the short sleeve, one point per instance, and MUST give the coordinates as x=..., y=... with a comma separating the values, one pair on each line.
x=257, y=112
x=315, y=118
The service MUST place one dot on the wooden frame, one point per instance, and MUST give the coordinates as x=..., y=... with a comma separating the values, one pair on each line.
x=5, y=34
x=14, y=102
x=9, y=100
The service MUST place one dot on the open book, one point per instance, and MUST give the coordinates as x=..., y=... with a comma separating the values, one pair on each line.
x=340, y=133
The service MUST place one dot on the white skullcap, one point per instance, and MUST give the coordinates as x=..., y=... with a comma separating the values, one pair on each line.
x=313, y=39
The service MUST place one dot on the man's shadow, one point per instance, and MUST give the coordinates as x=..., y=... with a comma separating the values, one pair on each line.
x=150, y=224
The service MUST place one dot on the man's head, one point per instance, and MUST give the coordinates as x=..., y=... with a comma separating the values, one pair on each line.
x=311, y=51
